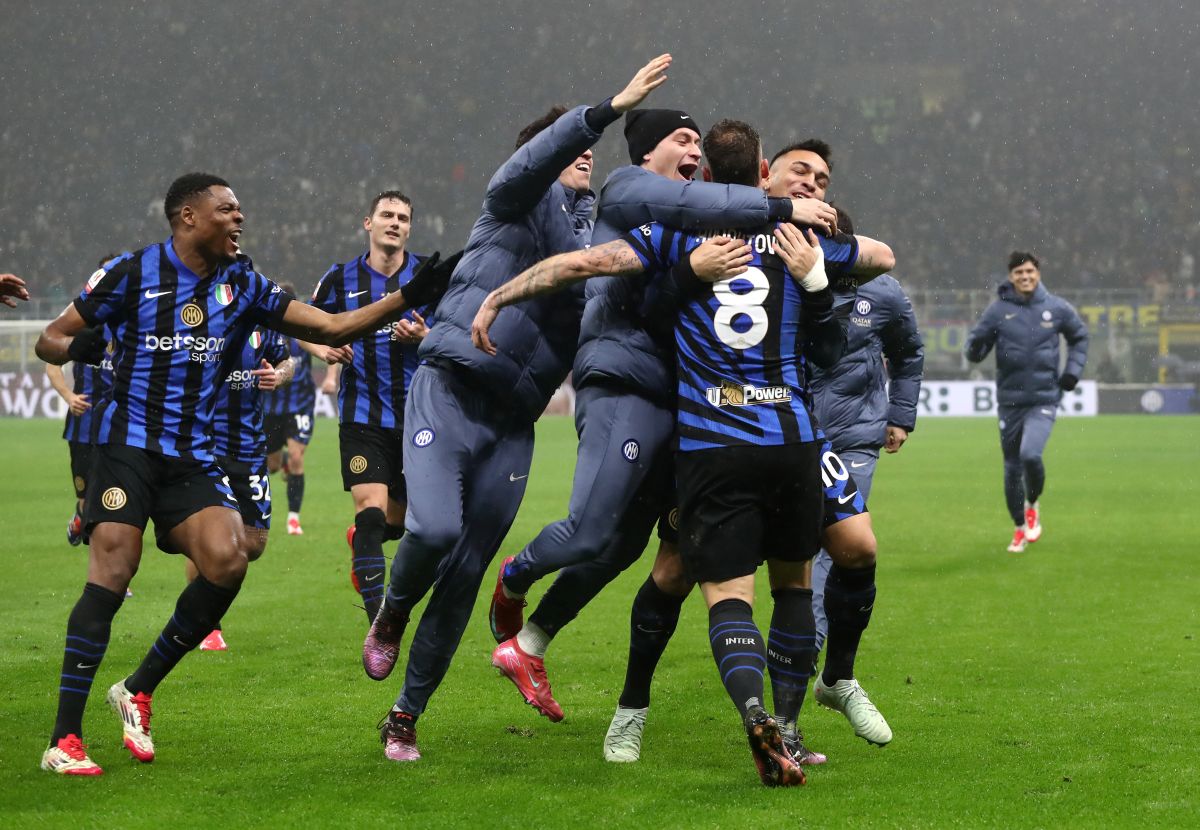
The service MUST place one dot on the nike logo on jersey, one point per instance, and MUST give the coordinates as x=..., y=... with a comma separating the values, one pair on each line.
x=515, y=477
x=844, y=499
x=353, y=294
x=88, y=666
x=150, y=295
x=857, y=464
x=1010, y=316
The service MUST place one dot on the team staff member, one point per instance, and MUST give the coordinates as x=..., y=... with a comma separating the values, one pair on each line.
x=468, y=424
x=1024, y=326
x=178, y=310
x=372, y=391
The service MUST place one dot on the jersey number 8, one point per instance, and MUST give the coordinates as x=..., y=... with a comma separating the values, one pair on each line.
x=748, y=304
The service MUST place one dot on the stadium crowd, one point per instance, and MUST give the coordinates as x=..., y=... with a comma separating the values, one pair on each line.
x=957, y=155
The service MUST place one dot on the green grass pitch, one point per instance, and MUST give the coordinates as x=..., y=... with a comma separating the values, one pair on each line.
x=1055, y=688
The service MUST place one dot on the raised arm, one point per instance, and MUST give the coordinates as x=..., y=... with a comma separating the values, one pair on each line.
x=614, y=258
x=522, y=180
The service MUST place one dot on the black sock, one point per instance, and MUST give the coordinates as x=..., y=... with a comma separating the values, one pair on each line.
x=738, y=648
x=88, y=629
x=652, y=621
x=369, y=564
x=295, y=492
x=393, y=532
x=849, y=599
x=790, y=650
x=198, y=611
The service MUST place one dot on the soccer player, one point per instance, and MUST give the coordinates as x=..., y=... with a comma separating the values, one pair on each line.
x=373, y=388
x=799, y=172
x=748, y=450
x=179, y=311
x=12, y=288
x=624, y=405
x=288, y=425
x=90, y=384
x=864, y=402
x=468, y=422
x=1024, y=326
x=240, y=446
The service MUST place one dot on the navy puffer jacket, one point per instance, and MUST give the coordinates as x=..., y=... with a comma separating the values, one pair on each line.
x=854, y=402
x=1025, y=334
x=527, y=216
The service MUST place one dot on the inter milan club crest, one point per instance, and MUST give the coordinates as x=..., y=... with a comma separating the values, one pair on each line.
x=114, y=498
x=423, y=438
x=191, y=315
x=631, y=450
x=223, y=294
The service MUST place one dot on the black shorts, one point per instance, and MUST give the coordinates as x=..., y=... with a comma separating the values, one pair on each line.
x=251, y=487
x=81, y=462
x=739, y=506
x=131, y=486
x=295, y=426
x=668, y=524
x=373, y=455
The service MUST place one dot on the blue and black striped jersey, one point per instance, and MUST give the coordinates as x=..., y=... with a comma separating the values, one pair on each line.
x=739, y=342
x=300, y=395
x=373, y=385
x=237, y=414
x=175, y=337
x=96, y=383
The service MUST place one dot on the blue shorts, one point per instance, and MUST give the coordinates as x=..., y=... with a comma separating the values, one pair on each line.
x=843, y=497
x=251, y=487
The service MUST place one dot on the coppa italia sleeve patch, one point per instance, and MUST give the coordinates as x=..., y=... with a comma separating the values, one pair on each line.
x=94, y=280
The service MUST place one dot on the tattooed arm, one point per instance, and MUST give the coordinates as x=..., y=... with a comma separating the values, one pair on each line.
x=874, y=258
x=612, y=259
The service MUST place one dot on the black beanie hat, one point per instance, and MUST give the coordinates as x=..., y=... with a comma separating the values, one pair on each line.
x=645, y=128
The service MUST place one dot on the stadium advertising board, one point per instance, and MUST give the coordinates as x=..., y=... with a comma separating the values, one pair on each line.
x=959, y=398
